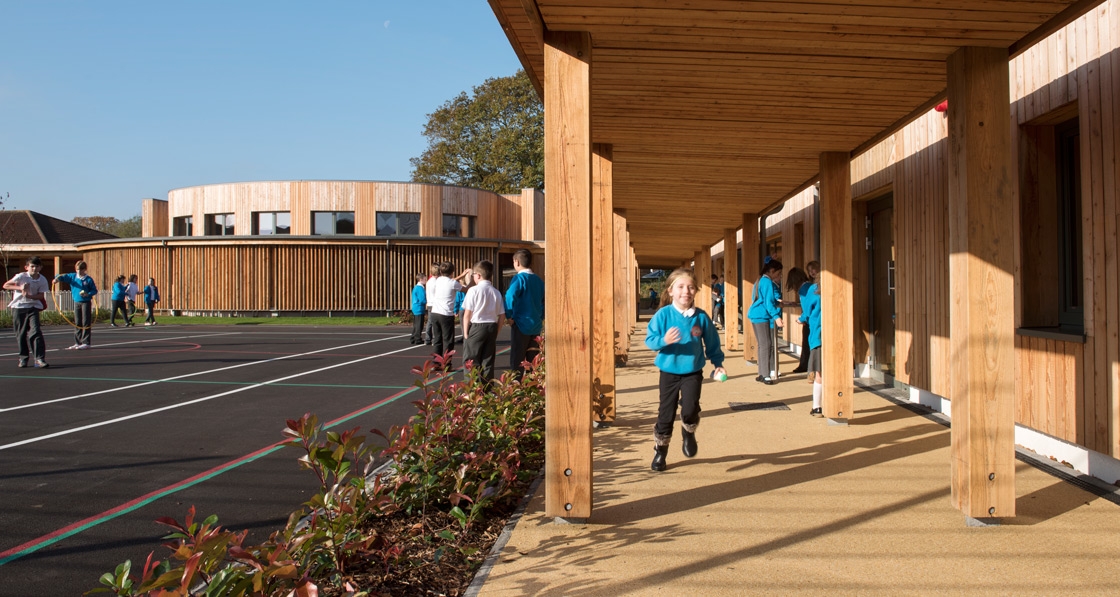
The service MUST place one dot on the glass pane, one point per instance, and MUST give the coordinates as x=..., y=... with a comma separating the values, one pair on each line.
x=264, y=224
x=450, y=225
x=470, y=226
x=386, y=224
x=344, y=222
x=322, y=223
x=409, y=223
x=283, y=222
x=229, y=220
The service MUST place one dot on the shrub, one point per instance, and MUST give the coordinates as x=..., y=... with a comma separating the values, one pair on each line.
x=461, y=458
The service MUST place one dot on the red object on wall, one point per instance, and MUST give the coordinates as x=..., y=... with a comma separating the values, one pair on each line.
x=943, y=106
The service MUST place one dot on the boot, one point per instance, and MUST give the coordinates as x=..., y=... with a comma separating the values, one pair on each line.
x=659, y=453
x=688, y=443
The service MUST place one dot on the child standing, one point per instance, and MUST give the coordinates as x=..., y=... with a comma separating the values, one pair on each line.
x=82, y=290
x=525, y=311
x=811, y=313
x=798, y=281
x=30, y=298
x=429, y=292
x=766, y=312
x=151, y=297
x=130, y=293
x=419, y=309
x=442, y=298
x=120, y=293
x=682, y=335
x=483, y=311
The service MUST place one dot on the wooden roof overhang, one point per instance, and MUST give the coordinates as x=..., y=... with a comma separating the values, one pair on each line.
x=715, y=108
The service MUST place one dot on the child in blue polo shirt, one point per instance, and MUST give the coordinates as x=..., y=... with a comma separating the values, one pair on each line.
x=419, y=308
x=682, y=335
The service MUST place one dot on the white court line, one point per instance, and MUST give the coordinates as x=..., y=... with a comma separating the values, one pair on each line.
x=155, y=381
x=197, y=400
x=12, y=354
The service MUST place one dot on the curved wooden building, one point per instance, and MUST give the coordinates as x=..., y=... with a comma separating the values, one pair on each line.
x=290, y=247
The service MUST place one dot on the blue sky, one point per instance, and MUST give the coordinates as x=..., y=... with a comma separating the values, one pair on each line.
x=104, y=103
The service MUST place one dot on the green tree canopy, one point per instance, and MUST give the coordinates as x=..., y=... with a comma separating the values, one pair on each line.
x=130, y=228
x=492, y=139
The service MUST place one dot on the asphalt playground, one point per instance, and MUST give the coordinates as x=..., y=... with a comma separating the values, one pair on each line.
x=153, y=420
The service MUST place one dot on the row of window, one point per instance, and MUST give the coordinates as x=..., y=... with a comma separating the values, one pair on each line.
x=326, y=223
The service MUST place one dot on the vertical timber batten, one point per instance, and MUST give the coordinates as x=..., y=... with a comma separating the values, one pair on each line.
x=703, y=272
x=567, y=159
x=603, y=274
x=836, y=285
x=981, y=281
x=622, y=288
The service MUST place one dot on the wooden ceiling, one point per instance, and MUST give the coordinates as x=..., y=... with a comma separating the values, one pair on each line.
x=716, y=108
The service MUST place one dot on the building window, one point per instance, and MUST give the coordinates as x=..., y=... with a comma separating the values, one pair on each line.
x=183, y=226
x=272, y=222
x=391, y=223
x=332, y=222
x=1052, y=267
x=219, y=225
x=458, y=226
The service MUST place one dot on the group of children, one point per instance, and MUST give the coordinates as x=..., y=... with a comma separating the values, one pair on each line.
x=685, y=337
x=30, y=290
x=437, y=298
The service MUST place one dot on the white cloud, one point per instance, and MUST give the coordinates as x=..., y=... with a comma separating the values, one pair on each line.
x=386, y=24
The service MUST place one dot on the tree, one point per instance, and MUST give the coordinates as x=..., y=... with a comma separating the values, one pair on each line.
x=130, y=228
x=492, y=139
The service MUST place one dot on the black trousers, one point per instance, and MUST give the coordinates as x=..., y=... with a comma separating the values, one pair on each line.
x=523, y=347
x=428, y=326
x=119, y=305
x=83, y=323
x=480, y=346
x=443, y=330
x=29, y=334
x=682, y=390
x=418, y=328
x=151, y=318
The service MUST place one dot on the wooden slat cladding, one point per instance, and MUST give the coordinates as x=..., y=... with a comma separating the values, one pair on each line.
x=1068, y=389
x=495, y=219
x=727, y=105
x=153, y=218
x=290, y=275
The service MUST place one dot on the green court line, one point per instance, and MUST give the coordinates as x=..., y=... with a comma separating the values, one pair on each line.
x=217, y=383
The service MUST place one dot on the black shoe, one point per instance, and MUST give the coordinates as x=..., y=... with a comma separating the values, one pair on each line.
x=759, y=378
x=659, y=453
x=816, y=412
x=688, y=443
x=768, y=381
x=799, y=370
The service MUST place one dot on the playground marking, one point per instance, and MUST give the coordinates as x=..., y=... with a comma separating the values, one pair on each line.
x=12, y=354
x=147, y=383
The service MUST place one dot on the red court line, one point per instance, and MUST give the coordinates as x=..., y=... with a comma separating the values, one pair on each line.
x=38, y=543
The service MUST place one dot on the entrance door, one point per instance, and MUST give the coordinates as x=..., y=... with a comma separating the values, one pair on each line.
x=880, y=242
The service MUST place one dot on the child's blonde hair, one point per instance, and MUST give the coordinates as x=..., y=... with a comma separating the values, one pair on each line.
x=678, y=273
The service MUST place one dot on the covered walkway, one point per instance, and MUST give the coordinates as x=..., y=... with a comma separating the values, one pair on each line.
x=780, y=502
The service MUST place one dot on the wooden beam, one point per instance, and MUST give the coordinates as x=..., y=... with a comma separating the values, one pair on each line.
x=567, y=147
x=730, y=290
x=981, y=284
x=752, y=269
x=703, y=272
x=836, y=285
x=623, y=292
x=603, y=290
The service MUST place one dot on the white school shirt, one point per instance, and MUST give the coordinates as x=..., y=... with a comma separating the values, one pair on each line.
x=429, y=291
x=35, y=286
x=130, y=291
x=443, y=295
x=484, y=302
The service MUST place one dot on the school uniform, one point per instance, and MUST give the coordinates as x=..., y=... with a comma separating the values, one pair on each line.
x=119, y=296
x=525, y=307
x=803, y=362
x=83, y=306
x=765, y=308
x=25, y=317
x=151, y=297
x=442, y=299
x=429, y=289
x=419, y=310
x=487, y=309
x=811, y=314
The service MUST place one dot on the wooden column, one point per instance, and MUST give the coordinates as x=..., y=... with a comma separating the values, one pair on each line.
x=730, y=290
x=981, y=284
x=622, y=291
x=703, y=272
x=836, y=285
x=752, y=264
x=567, y=163
x=603, y=274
